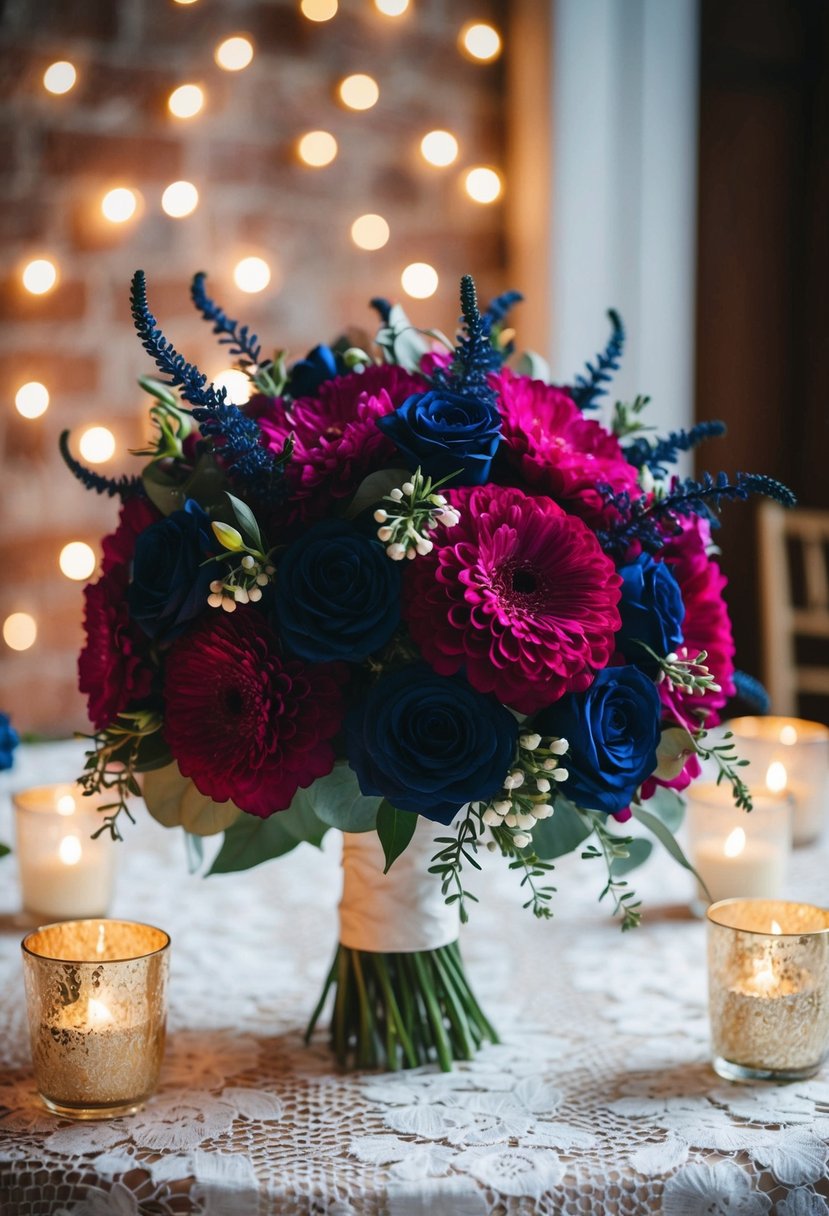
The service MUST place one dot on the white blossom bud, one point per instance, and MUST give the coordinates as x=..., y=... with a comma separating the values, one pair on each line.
x=521, y=840
x=247, y=562
x=542, y=810
x=270, y=569
x=407, y=487
x=438, y=500
x=380, y=515
x=241, y=595
x=411, y=553
x=262, y=580
x=560, y=774
x=503, y=806
x=255, y=595
x=559, y=746
x=511, y=820
x=384, y=533
x=542, y=784
x=530, y=742
x=491, y=846
x=525, y=820
x=646, y=480
x=424, y=546
x=549, y=764
x=672, y=657
x=396, y=552
x=214, y=599
x=229, y=605
x=396, y=494
x=216, y=586
x=715, y=688
x=491, y=818
x=516, y=779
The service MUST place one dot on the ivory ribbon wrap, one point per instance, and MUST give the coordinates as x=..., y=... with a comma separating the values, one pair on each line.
x=399, y=912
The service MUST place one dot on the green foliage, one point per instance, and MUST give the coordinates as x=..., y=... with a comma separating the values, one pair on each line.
x=563, y=832
x=638, y=851
x=400, y=342
x=374, y=488
x=663, y=834
x=724, y=755
x=447, y=863
x=668, y=806
x=174, y=801
x=627, y=417
x=251, y=840
x=113, y=761
x=615, y=850
x=338, y=802
x=4, y=850
x=395, y=829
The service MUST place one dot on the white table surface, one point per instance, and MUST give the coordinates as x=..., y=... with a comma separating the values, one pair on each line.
x=599, y=1100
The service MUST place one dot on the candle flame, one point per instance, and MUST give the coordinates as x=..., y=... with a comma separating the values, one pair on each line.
x=775, y=928
x=788, y=734
x=777, y=778
x=764, y=977
x=65, y=805
x=735, y=843
x=70, y=851
x=99, y=1013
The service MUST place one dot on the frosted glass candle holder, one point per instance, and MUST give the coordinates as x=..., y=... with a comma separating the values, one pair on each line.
x=792, y=755
x=738, y=853
x=96, y=994
x=768, y=988
x=64, y=873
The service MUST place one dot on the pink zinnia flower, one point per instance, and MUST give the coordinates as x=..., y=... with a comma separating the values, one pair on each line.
x=518, y=594
x=113, y=671
x=548, y=441
x=706, y=625
x=119, y=547
x=244, y=723
x=338, y=442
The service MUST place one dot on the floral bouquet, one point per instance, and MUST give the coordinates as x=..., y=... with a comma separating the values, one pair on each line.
x=417, y=595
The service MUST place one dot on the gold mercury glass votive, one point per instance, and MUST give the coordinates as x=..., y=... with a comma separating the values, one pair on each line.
x=96, y=992
x=768, y=988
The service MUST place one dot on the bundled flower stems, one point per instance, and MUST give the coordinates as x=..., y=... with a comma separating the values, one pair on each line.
x=412, y=587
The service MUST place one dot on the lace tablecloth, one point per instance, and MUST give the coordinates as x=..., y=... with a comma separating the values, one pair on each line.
x=599, y=1100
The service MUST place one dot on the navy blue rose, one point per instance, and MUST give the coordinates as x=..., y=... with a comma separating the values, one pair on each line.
x=337, y=594
x=652, y=612
x=613, y=731
x=9, y=740
x=170, y=585
x=445, y=433
x=319, y=365
x=430, y=743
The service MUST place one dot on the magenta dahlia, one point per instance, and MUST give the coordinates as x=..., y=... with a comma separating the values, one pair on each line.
x=118, y=548
x=113, y=669
x=548, y=441
x=244, y=723
x=706, y=625
x=337, y=439
x=518, y=594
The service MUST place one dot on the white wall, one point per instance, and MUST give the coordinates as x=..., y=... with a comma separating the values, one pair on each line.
x=615, y=188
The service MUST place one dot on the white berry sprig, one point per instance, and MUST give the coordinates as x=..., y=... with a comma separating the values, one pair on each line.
x=525, y=796
x=243, y=581
x=408, y=514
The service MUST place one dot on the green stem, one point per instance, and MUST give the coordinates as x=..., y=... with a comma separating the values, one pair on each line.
x=321, y=1002
x=433, y=1009
x=394, y=1017
x=366, y=1055
x=454, y=1008
x=453, y=953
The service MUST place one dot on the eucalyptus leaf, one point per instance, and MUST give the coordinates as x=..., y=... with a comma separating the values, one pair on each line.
x=395, y=829
x=246, y=521
x=251, y=840
x=533, y=365
x=668, y=805
x=195, y=851
x=201, y=816
x=563, y=832
x=337, y=801
x=405, y=343
x=676, y=744
x=639, y=850
x=173, y=800
x=373, y=488
x=666, y=837
x=163, y=490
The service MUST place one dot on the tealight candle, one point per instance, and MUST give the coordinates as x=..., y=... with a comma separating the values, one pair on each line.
x=96, y=998
x=64, y=873
x=792, y=755
x=738, y=853
x=768, y=976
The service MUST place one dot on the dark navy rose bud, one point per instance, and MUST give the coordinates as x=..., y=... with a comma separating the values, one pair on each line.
x=652, y=612
x=613, y=730
x=337, y=594
x=319, y=365
x=170, y=585
x=444, y=433
x=9, y=740
x=430, y=743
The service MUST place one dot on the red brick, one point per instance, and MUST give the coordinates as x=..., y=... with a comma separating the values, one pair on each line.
x=152, y=157
x=61, y=373
x=66, y=302
x=23, y=219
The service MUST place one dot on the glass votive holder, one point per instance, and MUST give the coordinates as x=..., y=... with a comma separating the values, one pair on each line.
x=736, y=852
x=64, y=873
x=768, y=989
x=792, y=755
x=96, y=994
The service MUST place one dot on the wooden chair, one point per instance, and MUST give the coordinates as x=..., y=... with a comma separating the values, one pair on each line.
x=794, y=586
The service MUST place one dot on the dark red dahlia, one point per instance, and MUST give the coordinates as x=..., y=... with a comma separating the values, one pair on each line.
x=113, y=668
x=556, y=450
x=118, y=548
x=338, y=442
x=245, y=724
x=518, y=594
x=706, y=624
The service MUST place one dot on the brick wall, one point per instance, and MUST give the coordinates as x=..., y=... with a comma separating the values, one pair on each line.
x=58, y=156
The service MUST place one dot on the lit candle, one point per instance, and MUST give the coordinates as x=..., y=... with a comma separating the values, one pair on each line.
x=792, y=755
x=98, y=1026
x=768, y=988
x=734, y=852
x=64, y=873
